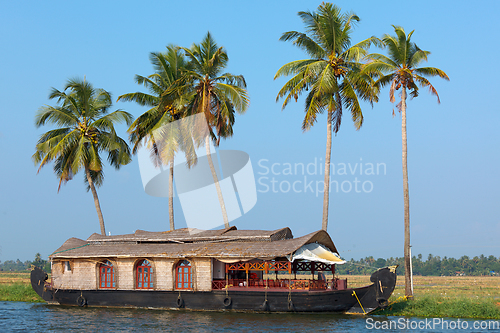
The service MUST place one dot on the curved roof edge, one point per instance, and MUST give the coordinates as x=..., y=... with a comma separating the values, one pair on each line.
x=246, y=244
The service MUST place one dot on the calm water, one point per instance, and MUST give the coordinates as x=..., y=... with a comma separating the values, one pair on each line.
x=29, y=317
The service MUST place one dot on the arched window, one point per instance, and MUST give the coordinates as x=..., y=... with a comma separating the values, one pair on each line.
x=144, y=275
x=183, y=277
x=106, y=275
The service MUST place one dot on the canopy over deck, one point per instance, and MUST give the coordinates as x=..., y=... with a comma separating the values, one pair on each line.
x=317, y=252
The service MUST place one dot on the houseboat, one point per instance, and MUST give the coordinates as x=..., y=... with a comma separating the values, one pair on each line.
x=227, y=269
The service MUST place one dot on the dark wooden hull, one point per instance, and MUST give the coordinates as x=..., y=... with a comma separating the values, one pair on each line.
x=358, y=300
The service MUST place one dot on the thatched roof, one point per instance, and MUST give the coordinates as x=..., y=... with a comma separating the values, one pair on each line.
x=227, y=243
x=190, y=235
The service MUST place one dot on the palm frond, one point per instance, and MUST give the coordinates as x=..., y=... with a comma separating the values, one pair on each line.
x=313, y=107
x=97, y=179
x=234, y=94
x=302, y=41
x=120, y=155
x=417, y=56
x=431, y=71
x=425, y=83
x=55, y=115
x=84, y=116
x=235, y=80
x=350, y=100
x=325, y=84
x=140, y=98
x=294, y=67
x=107, y=122
x=384, y=80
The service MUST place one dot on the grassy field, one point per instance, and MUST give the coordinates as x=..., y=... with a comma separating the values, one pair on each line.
x=15, y=286
x=441, y=286
x=14, y=277
x=435, y=296
x=443, y=296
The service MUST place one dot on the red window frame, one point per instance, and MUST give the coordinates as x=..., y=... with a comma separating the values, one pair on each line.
x=144, y=275
x=106, y=275
x=183, y=276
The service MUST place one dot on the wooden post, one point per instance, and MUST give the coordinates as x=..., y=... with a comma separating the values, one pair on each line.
x=246, y=270
x=227, y=277
x=266, y=269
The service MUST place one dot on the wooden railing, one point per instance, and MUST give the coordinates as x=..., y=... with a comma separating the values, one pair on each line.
x=266, y=266
x=275, y=266
x=218, y=284
x=309, y=284
x=285, y=284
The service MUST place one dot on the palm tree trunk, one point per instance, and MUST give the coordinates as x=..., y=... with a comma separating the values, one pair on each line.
x=171, y=195
x=326, y=194
x=96, y=201
x=216, y=181
x=406, y=194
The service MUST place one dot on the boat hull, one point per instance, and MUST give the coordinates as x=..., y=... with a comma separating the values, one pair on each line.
x=357, y=300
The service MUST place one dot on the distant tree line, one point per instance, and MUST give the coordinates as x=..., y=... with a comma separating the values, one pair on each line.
x=433, y=266
x=19, y=266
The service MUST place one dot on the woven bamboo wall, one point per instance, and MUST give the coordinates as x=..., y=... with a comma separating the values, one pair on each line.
x=83, y=274
x=79, y=275
x=202, y=274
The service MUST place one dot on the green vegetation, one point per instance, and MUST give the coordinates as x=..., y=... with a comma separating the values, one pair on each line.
x=19, y=266
x=84, y=130
x=188, y=81
x=216, y=94
x=18, y=292
x=169, y=67
x=17, y=287
x=332, y=76
x=434, y=306
x=442, y=296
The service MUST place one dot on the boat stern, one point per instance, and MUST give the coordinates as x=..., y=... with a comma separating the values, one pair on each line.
x=39, y=285
x=384, y=282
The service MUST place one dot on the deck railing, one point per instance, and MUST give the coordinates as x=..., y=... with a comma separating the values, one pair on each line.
x=337, y=284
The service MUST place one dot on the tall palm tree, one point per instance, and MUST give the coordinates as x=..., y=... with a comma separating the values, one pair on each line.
x=85, y=129
x=332, y=75
x=169, y=67
x=217, y=95
x=400, y=70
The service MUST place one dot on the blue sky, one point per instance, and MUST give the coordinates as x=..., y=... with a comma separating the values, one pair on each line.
x=452, y=146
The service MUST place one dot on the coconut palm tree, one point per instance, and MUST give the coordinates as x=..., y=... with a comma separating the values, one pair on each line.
x=85, y=129
x=216, y=94
x=400, y=70
x=150, y=125
x=331, y=76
